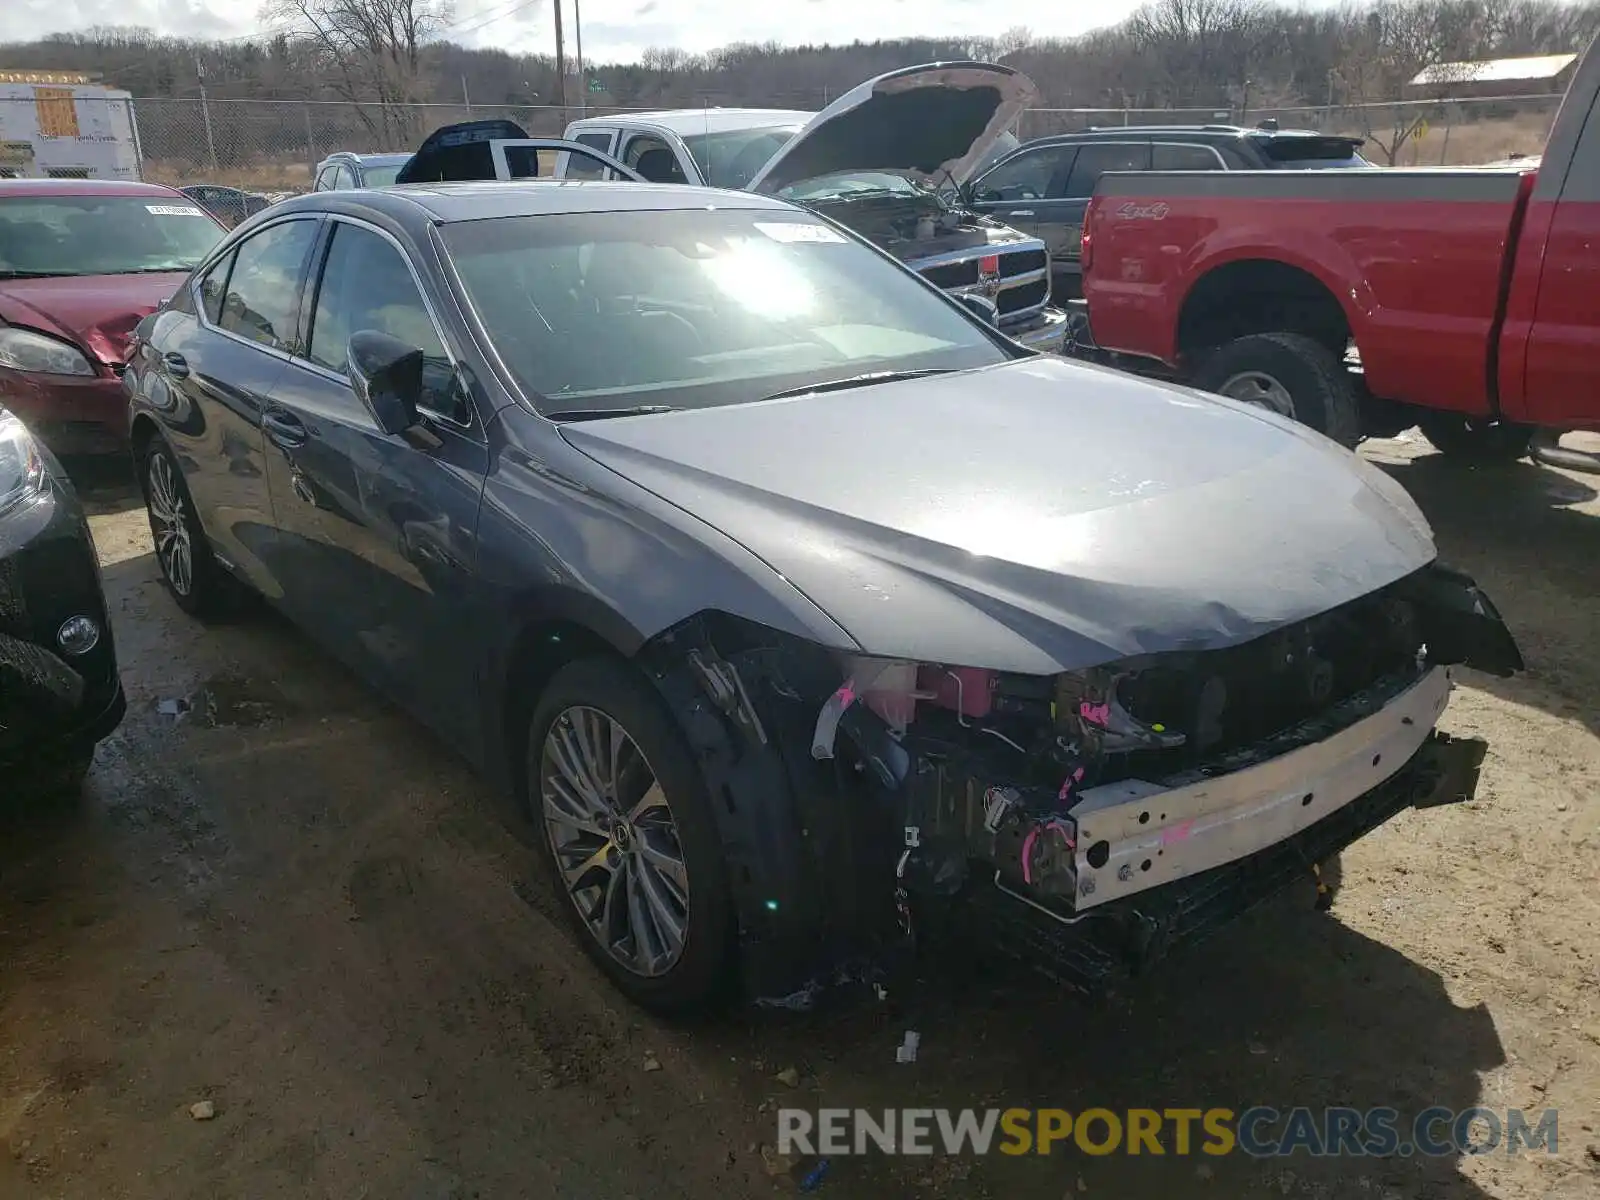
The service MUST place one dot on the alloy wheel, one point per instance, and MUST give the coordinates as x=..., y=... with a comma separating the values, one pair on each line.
x=1261, y=390
x=170, y=525
x=615, y=840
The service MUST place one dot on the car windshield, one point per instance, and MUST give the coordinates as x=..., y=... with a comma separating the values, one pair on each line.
x=102, y=235
x=731, y=160
x=380, y=174
x=695, y=308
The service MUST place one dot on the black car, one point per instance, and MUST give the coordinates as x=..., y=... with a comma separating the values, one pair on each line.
x=1044, y=186
x=750, y=562
x=229, y=205
x=60, y=692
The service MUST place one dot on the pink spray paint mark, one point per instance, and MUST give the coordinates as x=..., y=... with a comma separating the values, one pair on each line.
x=1027, y=853
x=1070, y=782
x=1095, y=714
x=846, y=695
x=1177, y=833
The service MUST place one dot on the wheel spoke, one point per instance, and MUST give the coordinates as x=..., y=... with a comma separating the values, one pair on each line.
x=615, y=839
x=666, y=863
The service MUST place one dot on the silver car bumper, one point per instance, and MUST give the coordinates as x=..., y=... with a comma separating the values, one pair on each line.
x=1046, y=332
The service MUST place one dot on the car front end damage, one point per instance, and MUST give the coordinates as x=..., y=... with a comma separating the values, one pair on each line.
x=1087, y=822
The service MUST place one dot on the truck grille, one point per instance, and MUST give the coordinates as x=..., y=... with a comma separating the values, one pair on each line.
x=1024, y=285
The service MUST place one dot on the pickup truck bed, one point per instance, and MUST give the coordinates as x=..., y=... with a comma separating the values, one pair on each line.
x=1467, y=294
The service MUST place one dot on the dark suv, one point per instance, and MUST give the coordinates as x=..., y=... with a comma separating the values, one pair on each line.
x=1044, y=186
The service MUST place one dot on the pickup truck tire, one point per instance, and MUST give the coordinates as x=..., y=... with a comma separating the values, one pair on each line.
x=1290, y=374
x=1458, y=436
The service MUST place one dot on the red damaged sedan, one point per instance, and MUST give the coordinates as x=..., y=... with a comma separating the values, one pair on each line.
x=81, y=262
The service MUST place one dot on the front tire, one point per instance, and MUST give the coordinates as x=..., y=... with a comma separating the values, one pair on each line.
x=628, y=835
x=193, y=576
x=1290, y=374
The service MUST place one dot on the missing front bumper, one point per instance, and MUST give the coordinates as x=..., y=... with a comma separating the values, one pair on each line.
x=1122, y=939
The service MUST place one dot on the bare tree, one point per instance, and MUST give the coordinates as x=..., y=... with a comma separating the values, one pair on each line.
x=371, y=51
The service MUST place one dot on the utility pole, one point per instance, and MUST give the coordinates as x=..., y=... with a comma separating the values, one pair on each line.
x=561, y=65
x=583, y=80
x=205, y=112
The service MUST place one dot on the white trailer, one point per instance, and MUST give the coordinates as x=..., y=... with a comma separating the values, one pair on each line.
x=60, y=125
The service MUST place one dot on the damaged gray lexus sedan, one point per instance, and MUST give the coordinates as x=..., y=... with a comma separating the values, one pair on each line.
x=806, y=613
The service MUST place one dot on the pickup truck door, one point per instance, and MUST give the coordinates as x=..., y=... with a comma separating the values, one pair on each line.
x=568, y=167
x=1061, y=215
x=518, y=158
x=1559, y=383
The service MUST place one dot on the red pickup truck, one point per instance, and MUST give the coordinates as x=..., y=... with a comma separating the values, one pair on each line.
x=1463, y=300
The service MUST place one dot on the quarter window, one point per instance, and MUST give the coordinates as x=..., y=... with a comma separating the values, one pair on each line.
x=264, y=288
x=213, y=287
x=366, y=285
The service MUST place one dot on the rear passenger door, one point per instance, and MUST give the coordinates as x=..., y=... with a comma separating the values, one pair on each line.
x=377, y=533
x=211, y=368
x=1061, y=214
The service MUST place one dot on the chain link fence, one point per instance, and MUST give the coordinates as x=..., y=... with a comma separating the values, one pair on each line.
x=274, y=146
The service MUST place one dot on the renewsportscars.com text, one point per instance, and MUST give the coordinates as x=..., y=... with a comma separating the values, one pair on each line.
x=1260, y=1132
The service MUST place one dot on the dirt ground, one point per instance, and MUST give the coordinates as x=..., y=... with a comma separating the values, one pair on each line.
x=291, y=902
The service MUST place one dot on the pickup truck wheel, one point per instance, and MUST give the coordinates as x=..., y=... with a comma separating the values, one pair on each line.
x=630, y=838
x=1472, y=439
x=1289, y=374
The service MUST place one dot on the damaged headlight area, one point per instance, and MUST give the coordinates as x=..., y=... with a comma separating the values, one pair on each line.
x=1086, y=819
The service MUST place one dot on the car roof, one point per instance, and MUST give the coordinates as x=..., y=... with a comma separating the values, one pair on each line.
x=446, y=203
x=383, y=157
x=84, y=187
x=1113, y=132
x=684, y=121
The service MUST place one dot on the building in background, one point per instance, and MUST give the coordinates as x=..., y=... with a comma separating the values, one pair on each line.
x=63, y=125
x=1542, y=74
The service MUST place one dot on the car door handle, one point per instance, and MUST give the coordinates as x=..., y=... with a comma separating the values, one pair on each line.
x=176, y=364
x=284, y=429
x=1020, y=212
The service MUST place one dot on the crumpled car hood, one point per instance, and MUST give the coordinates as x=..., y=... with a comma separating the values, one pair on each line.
x=1037, y=516
x=933, y=123
x=95, y=312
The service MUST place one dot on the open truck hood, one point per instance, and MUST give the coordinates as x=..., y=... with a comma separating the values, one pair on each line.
x=924, y=122
x=1038, y=516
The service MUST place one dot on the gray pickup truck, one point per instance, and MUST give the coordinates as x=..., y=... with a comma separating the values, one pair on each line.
x=886, y=159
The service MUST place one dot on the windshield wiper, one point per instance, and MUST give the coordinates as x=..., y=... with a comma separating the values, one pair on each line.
x=602, y=414
x=9, y=274
x=855, y=381
x=169, y=269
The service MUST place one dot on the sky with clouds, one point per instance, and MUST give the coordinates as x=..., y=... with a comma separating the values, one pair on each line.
x=613, y=30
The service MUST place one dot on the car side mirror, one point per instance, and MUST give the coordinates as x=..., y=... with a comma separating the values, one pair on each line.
x=985, y=309
x=386, y=374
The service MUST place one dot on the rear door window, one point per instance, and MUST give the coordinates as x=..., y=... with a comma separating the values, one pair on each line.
x=1096, y=158
x=1180, y=156
x=263, y=297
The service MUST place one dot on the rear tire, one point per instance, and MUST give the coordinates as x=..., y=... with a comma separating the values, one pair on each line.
x=192, y=574
x=1290, y=374
x=1472, y=439
x=649, y=843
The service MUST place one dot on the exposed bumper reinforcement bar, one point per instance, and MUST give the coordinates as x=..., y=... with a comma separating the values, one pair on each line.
x=1122, y=939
